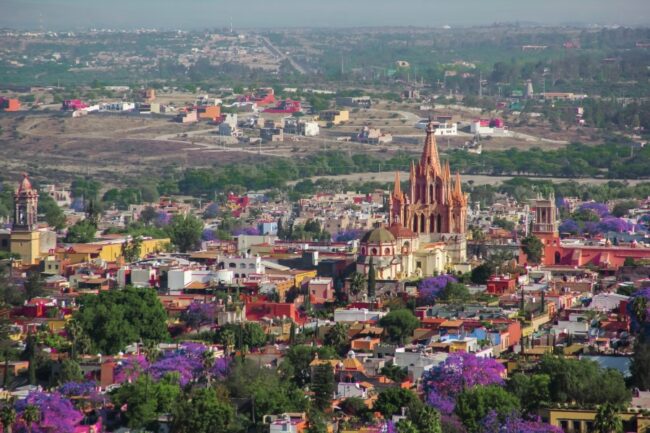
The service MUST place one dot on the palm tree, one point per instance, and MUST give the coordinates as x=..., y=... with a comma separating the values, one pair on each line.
x=357, y=283
x=150, y=350
x=607, y=419
x=31, y=415
x=7, y=415
x=207, y=360
x=639, y=307
x=74, y=330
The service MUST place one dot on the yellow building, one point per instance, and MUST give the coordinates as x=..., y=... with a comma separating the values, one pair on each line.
x=582, y=420
x=109, y=251
x=334, y=117
x=25, y=238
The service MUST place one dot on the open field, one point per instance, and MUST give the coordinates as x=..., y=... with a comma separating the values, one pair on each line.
x=111, y=147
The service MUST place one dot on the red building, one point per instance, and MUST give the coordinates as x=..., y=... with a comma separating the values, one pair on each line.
x=556, y=253
x=287, y=106
x=500, y=284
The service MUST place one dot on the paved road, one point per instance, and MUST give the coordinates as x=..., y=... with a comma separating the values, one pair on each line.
x=275, y=50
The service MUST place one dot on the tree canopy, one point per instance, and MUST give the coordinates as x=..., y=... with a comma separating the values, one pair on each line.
x=116, y=318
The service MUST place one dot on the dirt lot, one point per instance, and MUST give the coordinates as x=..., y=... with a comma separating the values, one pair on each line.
x=58, y=147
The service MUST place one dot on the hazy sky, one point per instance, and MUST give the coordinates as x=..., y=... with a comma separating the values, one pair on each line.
x=61, y=14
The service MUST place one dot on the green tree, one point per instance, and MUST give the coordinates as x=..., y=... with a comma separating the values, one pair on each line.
x=249, y=334
x=583, y=382
x=114, y=319
x=337, y=337
x=54, y=216
x=31, y=415
x=81, y=232
x=481, y=273
x=406, y=426
x=474, y=404
x=427, y=419
x=202, y=411
x=532, y=390
x=34, y=286
x=454, y=292
x=533, y=248
x=357, y=283
x=146, y=399
x=70, y=372
x=640, y=365
x=372, y=279
x=131, y=249
x=148, y=215
x=608, y=420
x=391, y=400
x=323, y=386
x=399, y=324
x=296, y=363
x=79, y=341
x=185, y=231
x=394, y=372
x=7, y=415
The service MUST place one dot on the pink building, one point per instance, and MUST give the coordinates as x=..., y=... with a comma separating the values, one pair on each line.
x=321, y=290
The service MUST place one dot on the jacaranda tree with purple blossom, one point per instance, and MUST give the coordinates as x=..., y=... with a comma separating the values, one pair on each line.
x=57, y=414
x=460, y=371
x=431, y=288
x=348, y=235
x=199, y=314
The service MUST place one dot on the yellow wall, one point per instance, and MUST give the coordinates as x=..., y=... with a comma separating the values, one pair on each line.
x=583, y=416
x=111, y=252
x=27, y=244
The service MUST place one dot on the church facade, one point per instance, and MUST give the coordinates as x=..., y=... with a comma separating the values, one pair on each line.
x=25, y=236
x=426, y=232
x=435, y=203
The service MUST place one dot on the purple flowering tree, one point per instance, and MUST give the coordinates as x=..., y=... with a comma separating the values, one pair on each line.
x=199, y=314
x=212, y=211
x=348, y=235
x=162, y=219
x=58, y=415
x=430, y=288
x=599, y=209
x=129, y=369
x=613, y=224
x=249, y=231
x=459, y=371
x=208, y=235
x=569, y=226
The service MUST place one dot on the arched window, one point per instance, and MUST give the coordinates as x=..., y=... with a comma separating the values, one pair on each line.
x=432, y=224
x=422, y=223
x=439, y=223
x=431, y=197
x=373, y=251
x=387, y=251
x=242, y=265
x=363, y=251
x=251, y=266
x=415, y=224
x=232, y=265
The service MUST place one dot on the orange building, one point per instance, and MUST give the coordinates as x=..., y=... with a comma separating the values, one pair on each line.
x=9, y=104
x=210, y=112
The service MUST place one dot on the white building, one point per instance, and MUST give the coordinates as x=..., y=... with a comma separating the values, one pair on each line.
x=242, y=267
x=357, y=315
x=417, y=362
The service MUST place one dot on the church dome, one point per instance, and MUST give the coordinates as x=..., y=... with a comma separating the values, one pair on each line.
x=378, y=235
